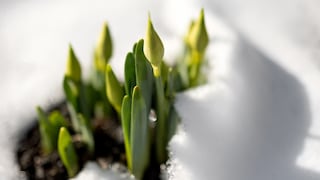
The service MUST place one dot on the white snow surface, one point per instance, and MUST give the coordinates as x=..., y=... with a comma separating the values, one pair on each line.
x=258, y=117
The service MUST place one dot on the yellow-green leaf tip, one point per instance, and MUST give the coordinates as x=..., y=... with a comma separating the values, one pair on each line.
x=67, y=152
x=73, y=66
x=153, y=47
x=114, y=90
x=104, y=48
x=198, y=38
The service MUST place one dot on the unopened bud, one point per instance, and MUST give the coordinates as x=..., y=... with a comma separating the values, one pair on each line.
x=104, y=48
x=198, y=37
x=153, y=47
x=73, y=66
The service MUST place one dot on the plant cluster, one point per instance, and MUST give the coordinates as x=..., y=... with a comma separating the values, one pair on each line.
x=148, y=92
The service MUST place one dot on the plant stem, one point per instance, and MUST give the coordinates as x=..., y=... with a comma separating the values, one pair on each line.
x=162, y=124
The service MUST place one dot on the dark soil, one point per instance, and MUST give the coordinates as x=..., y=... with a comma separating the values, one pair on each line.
x=109, y=149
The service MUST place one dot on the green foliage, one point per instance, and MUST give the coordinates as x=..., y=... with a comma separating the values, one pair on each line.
x=162, y=109
x=71, y=90
x=103, y=50
x=73, y=70
x=149, y=85
x=196, y=42
x=197, y=37
x=153, y=48
x=144, y=74
x=140, y=134
x=67, y=152
x=49, y=129
x=86, y=133
x=114, y=89
x=129, y=73
x=102, y=55
x=126, y=127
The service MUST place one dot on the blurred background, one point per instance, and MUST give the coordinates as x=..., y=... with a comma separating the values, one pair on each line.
x=277, y=41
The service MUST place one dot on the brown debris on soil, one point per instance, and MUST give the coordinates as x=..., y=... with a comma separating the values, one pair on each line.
x=109, y=149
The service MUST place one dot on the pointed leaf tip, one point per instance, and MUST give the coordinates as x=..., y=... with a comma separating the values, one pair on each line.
x=114, y=89
x=153, y=47
x=73, y=66
x=104, y=48
x=197, y=37
x=67, y=152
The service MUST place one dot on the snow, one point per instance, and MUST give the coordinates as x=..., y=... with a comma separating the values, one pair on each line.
x=258, y=117
x=93, y=171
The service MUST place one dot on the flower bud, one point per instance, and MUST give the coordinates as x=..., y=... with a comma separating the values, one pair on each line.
x=198, y=37
x=114, y=90
x=153, y=47
x=104, y=48
x=73, y=66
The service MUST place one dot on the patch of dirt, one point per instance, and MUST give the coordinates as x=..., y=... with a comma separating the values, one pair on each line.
x=109, y=150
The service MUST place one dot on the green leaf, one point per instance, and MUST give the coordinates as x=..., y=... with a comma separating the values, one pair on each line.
x=140, y=134
x=85, y=100
x=67, y=152
x=73, y=66
x=129, y=74
x=134, y=47
x=57, y=120
x=49, y=129
x=182, y=69
x=72, y=92
x=73, y=117
x=104, y=48
x=174, y=120
x=164, y=71
x=97, y=79
x=98, y=96
x=172, y=84
x=86, y=133
x=126, y=125
x=46, y=132
x=144, y=74
x=162, y=109
x=114, y=90
x=153, y=47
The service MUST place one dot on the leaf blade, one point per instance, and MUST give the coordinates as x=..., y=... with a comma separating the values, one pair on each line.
x=67, y=152
x=140, y=134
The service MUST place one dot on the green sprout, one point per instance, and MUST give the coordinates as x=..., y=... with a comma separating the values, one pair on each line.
x=144, y=77
x=104, y=49
x=73, y=67
x=150, y=85
x=86, y=133
x=49, y=129
x=72, y=95
x=139, y=134
x=114, y=89
x=153, y=48
x=197, y=37
x=196, y=41
x=129, y=73
x=126, y=127
x=67, y=152
x=154, y=51
x=102, y=55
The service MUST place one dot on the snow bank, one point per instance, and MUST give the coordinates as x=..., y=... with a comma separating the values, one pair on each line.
x=259, y=119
